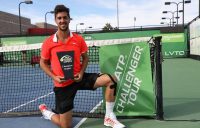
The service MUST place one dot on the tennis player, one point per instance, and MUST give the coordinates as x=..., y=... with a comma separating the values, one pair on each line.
x=65, y=90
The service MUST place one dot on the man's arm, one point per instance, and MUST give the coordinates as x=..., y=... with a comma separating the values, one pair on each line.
x=44, y=64
x=85, y=60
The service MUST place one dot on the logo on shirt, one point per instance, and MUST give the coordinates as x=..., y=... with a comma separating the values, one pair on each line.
x=66, y=59
x=74, y=43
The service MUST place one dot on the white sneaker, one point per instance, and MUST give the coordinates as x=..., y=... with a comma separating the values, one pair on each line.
x=113, y=122
x=44, y=108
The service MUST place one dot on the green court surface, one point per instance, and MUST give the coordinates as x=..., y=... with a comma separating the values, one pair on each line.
x=181, y=98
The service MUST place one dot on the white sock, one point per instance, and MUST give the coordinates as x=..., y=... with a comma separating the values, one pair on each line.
x=112, y=115
x=109, y=108
x=48, y=114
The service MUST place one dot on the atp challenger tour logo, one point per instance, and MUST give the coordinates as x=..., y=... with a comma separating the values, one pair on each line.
x=131, y=64
x=129, y=83
x=66, y=59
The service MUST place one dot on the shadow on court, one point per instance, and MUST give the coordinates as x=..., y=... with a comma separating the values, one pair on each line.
x=182, y=109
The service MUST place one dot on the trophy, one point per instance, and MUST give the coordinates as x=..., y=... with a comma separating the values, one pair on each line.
x=66, y=59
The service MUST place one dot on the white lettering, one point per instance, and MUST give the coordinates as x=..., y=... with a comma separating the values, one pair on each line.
x=119, y=67
x=131, y=84
x=175, y=53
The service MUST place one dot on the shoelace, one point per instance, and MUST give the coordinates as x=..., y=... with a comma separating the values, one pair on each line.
x=111, y=121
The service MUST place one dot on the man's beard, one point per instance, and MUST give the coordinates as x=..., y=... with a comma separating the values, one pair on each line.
x=64, y=29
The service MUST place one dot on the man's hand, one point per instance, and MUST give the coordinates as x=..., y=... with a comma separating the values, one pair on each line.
x=78, y=77
x=59, y=79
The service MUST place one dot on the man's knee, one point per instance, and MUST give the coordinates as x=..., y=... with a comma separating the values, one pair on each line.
x=65, y=125
x=110, y=79
x=112, y=82
x=66, y=120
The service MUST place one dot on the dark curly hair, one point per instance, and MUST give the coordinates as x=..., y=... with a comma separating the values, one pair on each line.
x=61, y=8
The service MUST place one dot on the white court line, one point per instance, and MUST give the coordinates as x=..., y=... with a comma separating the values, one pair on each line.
x=10, y=110
x=77, y=126
x=84, y=119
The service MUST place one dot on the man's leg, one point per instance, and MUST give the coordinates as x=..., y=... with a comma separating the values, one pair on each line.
x=62, y=120
x=110, y=118
x=66, y=120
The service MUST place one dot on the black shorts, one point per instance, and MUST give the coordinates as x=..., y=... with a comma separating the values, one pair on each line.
x=64, y=96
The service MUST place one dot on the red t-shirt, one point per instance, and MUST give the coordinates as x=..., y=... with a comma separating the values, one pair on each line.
x=52, y=45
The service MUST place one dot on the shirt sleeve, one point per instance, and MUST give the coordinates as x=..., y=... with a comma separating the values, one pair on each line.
x=84, y=47
x=45, y=50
